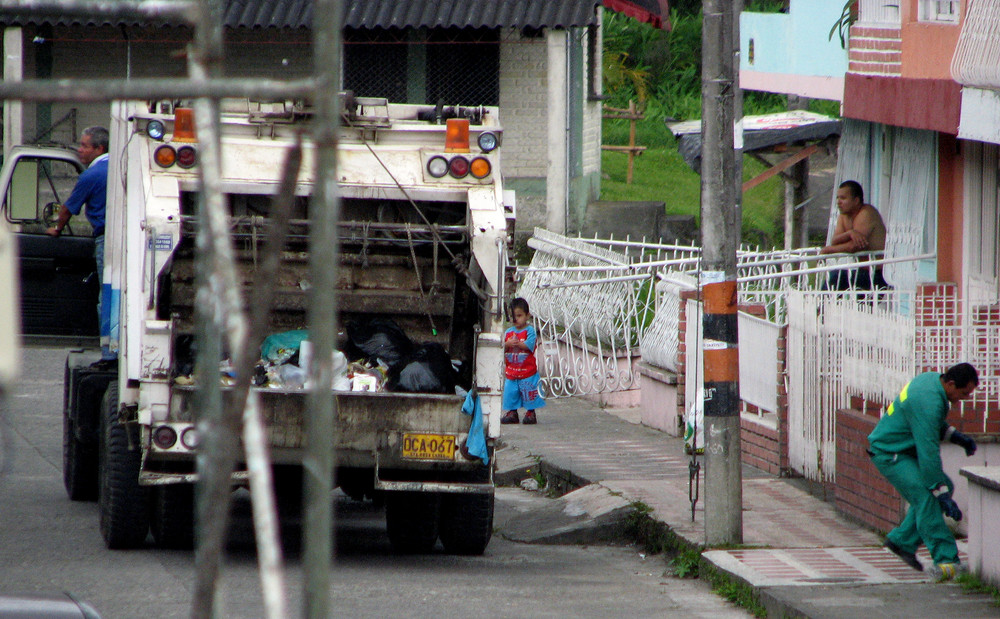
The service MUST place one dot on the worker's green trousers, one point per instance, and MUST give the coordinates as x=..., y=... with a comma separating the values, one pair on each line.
x=924, y=522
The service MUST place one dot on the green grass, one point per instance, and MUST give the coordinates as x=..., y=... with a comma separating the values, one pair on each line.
x=971, y=583
x=661, y=174
x=735, y=591
x=684, y=558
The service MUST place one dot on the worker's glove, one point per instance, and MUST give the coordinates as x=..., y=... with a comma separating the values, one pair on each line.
x=948, y=505
x=964, y=441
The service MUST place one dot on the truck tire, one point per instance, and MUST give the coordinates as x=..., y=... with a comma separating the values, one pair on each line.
x=79, y=458
x=121, y=500
x=79, y=464
x=288, y=490
x=466, y=523
x=411, y=520
x=171, y=516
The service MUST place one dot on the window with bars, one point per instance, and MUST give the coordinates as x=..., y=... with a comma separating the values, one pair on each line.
x=879, y=12
x=942, y=11
x=454, y=66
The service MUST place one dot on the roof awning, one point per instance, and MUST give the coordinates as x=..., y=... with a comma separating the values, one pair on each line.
x=654, y=12
x=765, y=133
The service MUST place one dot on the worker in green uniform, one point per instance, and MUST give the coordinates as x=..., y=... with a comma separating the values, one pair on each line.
x=905, y=446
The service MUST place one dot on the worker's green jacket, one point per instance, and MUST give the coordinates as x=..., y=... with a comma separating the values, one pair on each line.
x=913, y=426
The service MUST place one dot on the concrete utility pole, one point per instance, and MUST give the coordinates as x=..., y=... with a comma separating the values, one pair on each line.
x=721, y=220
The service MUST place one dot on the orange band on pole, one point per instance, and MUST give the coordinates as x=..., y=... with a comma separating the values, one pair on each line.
x=720, y=298
x=722, y=365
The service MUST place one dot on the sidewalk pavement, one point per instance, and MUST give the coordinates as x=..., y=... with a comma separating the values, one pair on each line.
x=799, y=555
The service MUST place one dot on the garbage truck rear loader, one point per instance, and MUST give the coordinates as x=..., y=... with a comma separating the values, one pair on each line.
x=423, y=252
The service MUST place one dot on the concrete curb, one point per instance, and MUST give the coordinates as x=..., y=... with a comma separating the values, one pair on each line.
x=773, y=606
x=621, y=523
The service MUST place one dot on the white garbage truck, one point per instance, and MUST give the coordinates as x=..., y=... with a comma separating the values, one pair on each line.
x=424, y=236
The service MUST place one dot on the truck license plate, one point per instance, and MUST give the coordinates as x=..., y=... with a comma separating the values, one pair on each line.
x=429, y=446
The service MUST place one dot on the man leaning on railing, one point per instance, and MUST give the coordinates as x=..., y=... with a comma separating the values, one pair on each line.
x=859, y=229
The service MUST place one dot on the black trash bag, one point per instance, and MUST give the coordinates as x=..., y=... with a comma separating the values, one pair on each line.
x=377, y=339
x=428, y=370
x=185, y=355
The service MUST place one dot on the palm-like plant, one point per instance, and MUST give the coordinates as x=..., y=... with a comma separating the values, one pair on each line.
x=842, y=26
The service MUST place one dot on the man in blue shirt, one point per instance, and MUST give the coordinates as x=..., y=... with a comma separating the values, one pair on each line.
x=91, y=190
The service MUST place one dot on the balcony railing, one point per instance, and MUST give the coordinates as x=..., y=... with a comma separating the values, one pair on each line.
x=975, y=60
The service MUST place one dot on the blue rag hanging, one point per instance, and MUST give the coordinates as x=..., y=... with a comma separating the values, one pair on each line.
x=476, y=443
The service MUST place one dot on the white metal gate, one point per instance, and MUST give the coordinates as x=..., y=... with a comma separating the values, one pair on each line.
x=808, y=431
x=841, y=346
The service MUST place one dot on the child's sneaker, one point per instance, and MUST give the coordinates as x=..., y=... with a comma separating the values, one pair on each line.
x=945, y=571
x=529, y=418
x=511, y=417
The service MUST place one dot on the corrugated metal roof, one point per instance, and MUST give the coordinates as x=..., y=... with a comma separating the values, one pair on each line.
x=469, y=13
x=367, y=14
x=268, y=13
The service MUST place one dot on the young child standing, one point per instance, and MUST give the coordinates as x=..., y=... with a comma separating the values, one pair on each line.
x=520, y=389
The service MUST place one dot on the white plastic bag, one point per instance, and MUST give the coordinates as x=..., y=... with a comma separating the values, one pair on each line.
x=694, y=424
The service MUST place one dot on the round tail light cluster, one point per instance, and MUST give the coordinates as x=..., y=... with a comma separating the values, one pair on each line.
x=185, y=157
x=459, y=167
x=166, y=437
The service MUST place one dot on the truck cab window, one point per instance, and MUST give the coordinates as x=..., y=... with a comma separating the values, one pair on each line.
x=38, y=186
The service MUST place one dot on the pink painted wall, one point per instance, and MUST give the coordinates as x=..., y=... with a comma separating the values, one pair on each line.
x=927, y=48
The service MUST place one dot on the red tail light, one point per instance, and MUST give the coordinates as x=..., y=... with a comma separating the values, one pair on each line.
x=459, y=167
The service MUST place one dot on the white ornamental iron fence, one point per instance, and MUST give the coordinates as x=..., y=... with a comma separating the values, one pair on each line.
x=598, y=311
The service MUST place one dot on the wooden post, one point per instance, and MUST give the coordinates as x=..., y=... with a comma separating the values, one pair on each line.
x=631, y=141
x=633, y=115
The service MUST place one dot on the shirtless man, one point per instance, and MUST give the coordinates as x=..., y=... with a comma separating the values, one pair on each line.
x=859, y=228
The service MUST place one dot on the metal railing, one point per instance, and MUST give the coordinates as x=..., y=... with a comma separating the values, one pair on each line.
x=598, y=310
x=840, y=344
x=977, y=55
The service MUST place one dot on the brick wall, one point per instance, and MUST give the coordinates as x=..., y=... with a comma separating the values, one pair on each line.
x=861, y=492
x=682, y=350
x=875, y=51
x=523, y=92
x=760, y=441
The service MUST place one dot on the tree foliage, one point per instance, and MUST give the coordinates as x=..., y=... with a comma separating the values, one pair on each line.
x=661, y=71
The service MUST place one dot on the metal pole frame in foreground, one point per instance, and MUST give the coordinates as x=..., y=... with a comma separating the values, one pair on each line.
x=324, y=260
x=220, y=307
x=721, y=222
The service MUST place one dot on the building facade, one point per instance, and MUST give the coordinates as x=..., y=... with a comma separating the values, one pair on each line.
x=538, y=60
x=921, y=133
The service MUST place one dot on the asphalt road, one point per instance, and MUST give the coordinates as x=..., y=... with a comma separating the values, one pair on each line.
x=49, y=544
